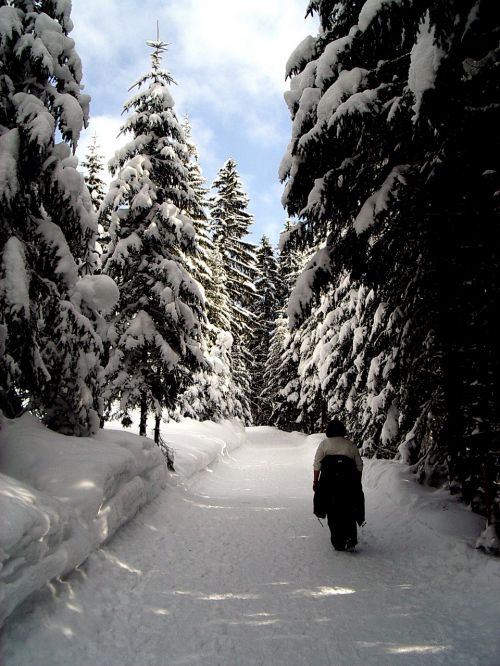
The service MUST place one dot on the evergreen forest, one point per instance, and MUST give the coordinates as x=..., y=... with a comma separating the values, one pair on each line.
x=378, y=307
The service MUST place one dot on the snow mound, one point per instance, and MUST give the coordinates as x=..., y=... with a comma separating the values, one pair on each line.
x=410, y=508
x=62, y=497
x=198, y=444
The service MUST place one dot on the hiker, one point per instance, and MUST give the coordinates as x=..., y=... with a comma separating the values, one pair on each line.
x=338, y=493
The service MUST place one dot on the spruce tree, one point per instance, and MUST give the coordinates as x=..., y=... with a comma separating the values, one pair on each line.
x=265, y=311
x=93, y=165
x=281, y=375
x=201, y=260
x=49, y=348
x=393, y=161
x=211, y=392
x=156, y=333
x=230, y=222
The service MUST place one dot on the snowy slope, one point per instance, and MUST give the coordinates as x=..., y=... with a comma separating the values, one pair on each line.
x=61, y=497
x=229, y=567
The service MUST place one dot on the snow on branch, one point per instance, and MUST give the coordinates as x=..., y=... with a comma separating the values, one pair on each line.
x=379, y=200
x=305, y=290
x=9, y=154
x=32, y=114
x=10, y=23
x=16, y=279
x=300, y=56
x=348, y=83
x=72, y=119
x=425, y=60
x=327, y=63
x=99, y=292
x=370, y=10
x=55, y=239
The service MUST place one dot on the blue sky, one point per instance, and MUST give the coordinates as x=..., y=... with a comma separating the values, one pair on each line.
x=228, y=58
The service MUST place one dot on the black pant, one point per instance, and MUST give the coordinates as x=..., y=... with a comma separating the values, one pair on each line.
x=342, y=524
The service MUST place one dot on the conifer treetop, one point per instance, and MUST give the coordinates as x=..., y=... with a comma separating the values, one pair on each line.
x=156, y=158
x=157, y=74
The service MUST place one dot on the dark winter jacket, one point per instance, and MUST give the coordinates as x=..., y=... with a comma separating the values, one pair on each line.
x=339, y=488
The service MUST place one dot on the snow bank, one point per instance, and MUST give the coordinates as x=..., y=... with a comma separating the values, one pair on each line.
x=62, y=497
x=408, y=507
x=197, y=444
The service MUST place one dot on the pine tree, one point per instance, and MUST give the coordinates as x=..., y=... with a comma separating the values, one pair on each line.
x=230, y=222
x=281, y=375
x=201, y=261
x=211, y=393
x=265, y=311
x=390, y=106
x=156, y=335
x=93, y=164
x=49, y=348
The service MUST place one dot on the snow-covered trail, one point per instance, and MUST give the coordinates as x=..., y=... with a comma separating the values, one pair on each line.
x=231, y=568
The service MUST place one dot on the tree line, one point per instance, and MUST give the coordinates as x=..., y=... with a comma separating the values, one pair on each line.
x=141, y=296
x=393, y=173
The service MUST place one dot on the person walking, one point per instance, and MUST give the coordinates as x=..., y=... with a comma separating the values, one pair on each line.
x=338, y=493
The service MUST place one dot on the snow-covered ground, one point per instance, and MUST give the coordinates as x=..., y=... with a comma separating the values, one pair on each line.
x=228, y=566
x=62, y=497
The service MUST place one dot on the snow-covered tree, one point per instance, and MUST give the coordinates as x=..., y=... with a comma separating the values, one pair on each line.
x=214, y=395
x=265, y=309
x=49, y=348
x=201, y=260
x=93, y=165
x=281, y=374
x=394, y=162
x=230, y=222
x=213, y=392
x=156, y=333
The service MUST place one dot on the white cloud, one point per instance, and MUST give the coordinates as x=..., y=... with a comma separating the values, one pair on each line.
x=252, y=39
x=208, y=148
x=266, y=128
x=221, y=50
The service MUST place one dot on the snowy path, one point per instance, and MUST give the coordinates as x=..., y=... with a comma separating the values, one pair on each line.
x=232, y=569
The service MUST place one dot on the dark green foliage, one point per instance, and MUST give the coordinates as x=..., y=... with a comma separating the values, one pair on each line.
x=268, y=287
x=394, y=163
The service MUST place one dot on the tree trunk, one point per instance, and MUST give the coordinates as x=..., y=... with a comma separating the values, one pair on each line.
x=144, y=416
x=157, y=428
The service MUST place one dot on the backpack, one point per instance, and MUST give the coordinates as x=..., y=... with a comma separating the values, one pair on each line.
x=339, y=487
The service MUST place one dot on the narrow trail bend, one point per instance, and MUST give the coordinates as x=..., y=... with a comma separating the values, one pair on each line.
x=231, y=568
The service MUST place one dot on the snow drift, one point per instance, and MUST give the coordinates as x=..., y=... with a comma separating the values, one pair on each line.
x=62, y=497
